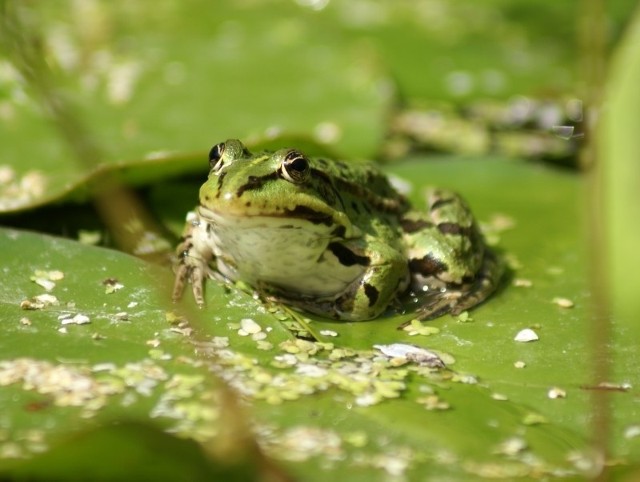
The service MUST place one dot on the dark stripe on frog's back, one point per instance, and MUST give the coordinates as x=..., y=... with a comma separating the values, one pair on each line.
x=410, y=226
x=428, y=265
x=455, y=229
x=441, y=203
x=388, y=200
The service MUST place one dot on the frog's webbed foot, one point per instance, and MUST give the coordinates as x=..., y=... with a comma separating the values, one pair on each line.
x=455, y=299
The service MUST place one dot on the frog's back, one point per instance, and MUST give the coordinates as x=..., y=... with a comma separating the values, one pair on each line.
x=363, y=191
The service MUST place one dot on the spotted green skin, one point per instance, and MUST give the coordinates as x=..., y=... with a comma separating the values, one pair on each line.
x=330, y=237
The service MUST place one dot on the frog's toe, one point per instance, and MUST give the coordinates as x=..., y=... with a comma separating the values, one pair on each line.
x=458, y=298
x=182, y=273
x=473, y=297
x=454, y=301
x=193, y=273
x=198, y=291
x=439, y=305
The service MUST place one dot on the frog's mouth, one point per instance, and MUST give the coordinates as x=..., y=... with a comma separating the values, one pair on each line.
x=303, y=214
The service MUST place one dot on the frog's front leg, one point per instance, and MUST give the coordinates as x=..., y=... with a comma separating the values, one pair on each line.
x=194, y=256
x=385, y=275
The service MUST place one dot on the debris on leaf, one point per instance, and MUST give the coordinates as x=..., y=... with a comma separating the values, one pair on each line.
x=522, y=283
x=464, y=317
x=300, y=443
x=172, y=317
x=433, y=402
x=511, y=446
x=526, y=335
x=44, y=283
x=112, y=285
x=563, y=302
x=67, y=385
x=411, y=353
x=328, y=333
x=248, y=327
x=264, y=345
x=556, y=392
x=78, y=319
x=416, y=327
x=534, y=418
x=356, y=439
x=39, y=302
x=394, y=462
x=220, y=341
x=121, y=316
x=632, y=431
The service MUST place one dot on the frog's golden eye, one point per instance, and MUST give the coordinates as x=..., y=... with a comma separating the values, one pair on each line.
x=215, y=156
x=295, y=167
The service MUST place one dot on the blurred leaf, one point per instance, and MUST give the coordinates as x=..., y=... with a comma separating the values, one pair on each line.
x=225, y=71
x=621, y=173
x=129, y=451
x=148, y=81
x=617, y=178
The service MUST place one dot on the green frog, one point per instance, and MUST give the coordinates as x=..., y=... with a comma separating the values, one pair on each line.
x=330, y=237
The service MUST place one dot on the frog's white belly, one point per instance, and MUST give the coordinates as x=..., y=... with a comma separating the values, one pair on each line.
x=285, y=253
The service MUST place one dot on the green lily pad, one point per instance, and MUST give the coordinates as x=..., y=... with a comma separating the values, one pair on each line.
x=502, y=407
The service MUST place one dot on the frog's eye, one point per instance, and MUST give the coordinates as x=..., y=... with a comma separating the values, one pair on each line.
x=215, y=156
x=295, y=167
x=227, y=152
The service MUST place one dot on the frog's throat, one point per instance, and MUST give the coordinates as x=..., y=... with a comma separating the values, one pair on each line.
x=298, y=218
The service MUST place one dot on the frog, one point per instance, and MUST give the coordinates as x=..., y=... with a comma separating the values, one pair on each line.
x=330, y=237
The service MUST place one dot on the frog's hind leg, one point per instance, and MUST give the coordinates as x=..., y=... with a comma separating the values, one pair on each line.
x=455, y=299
